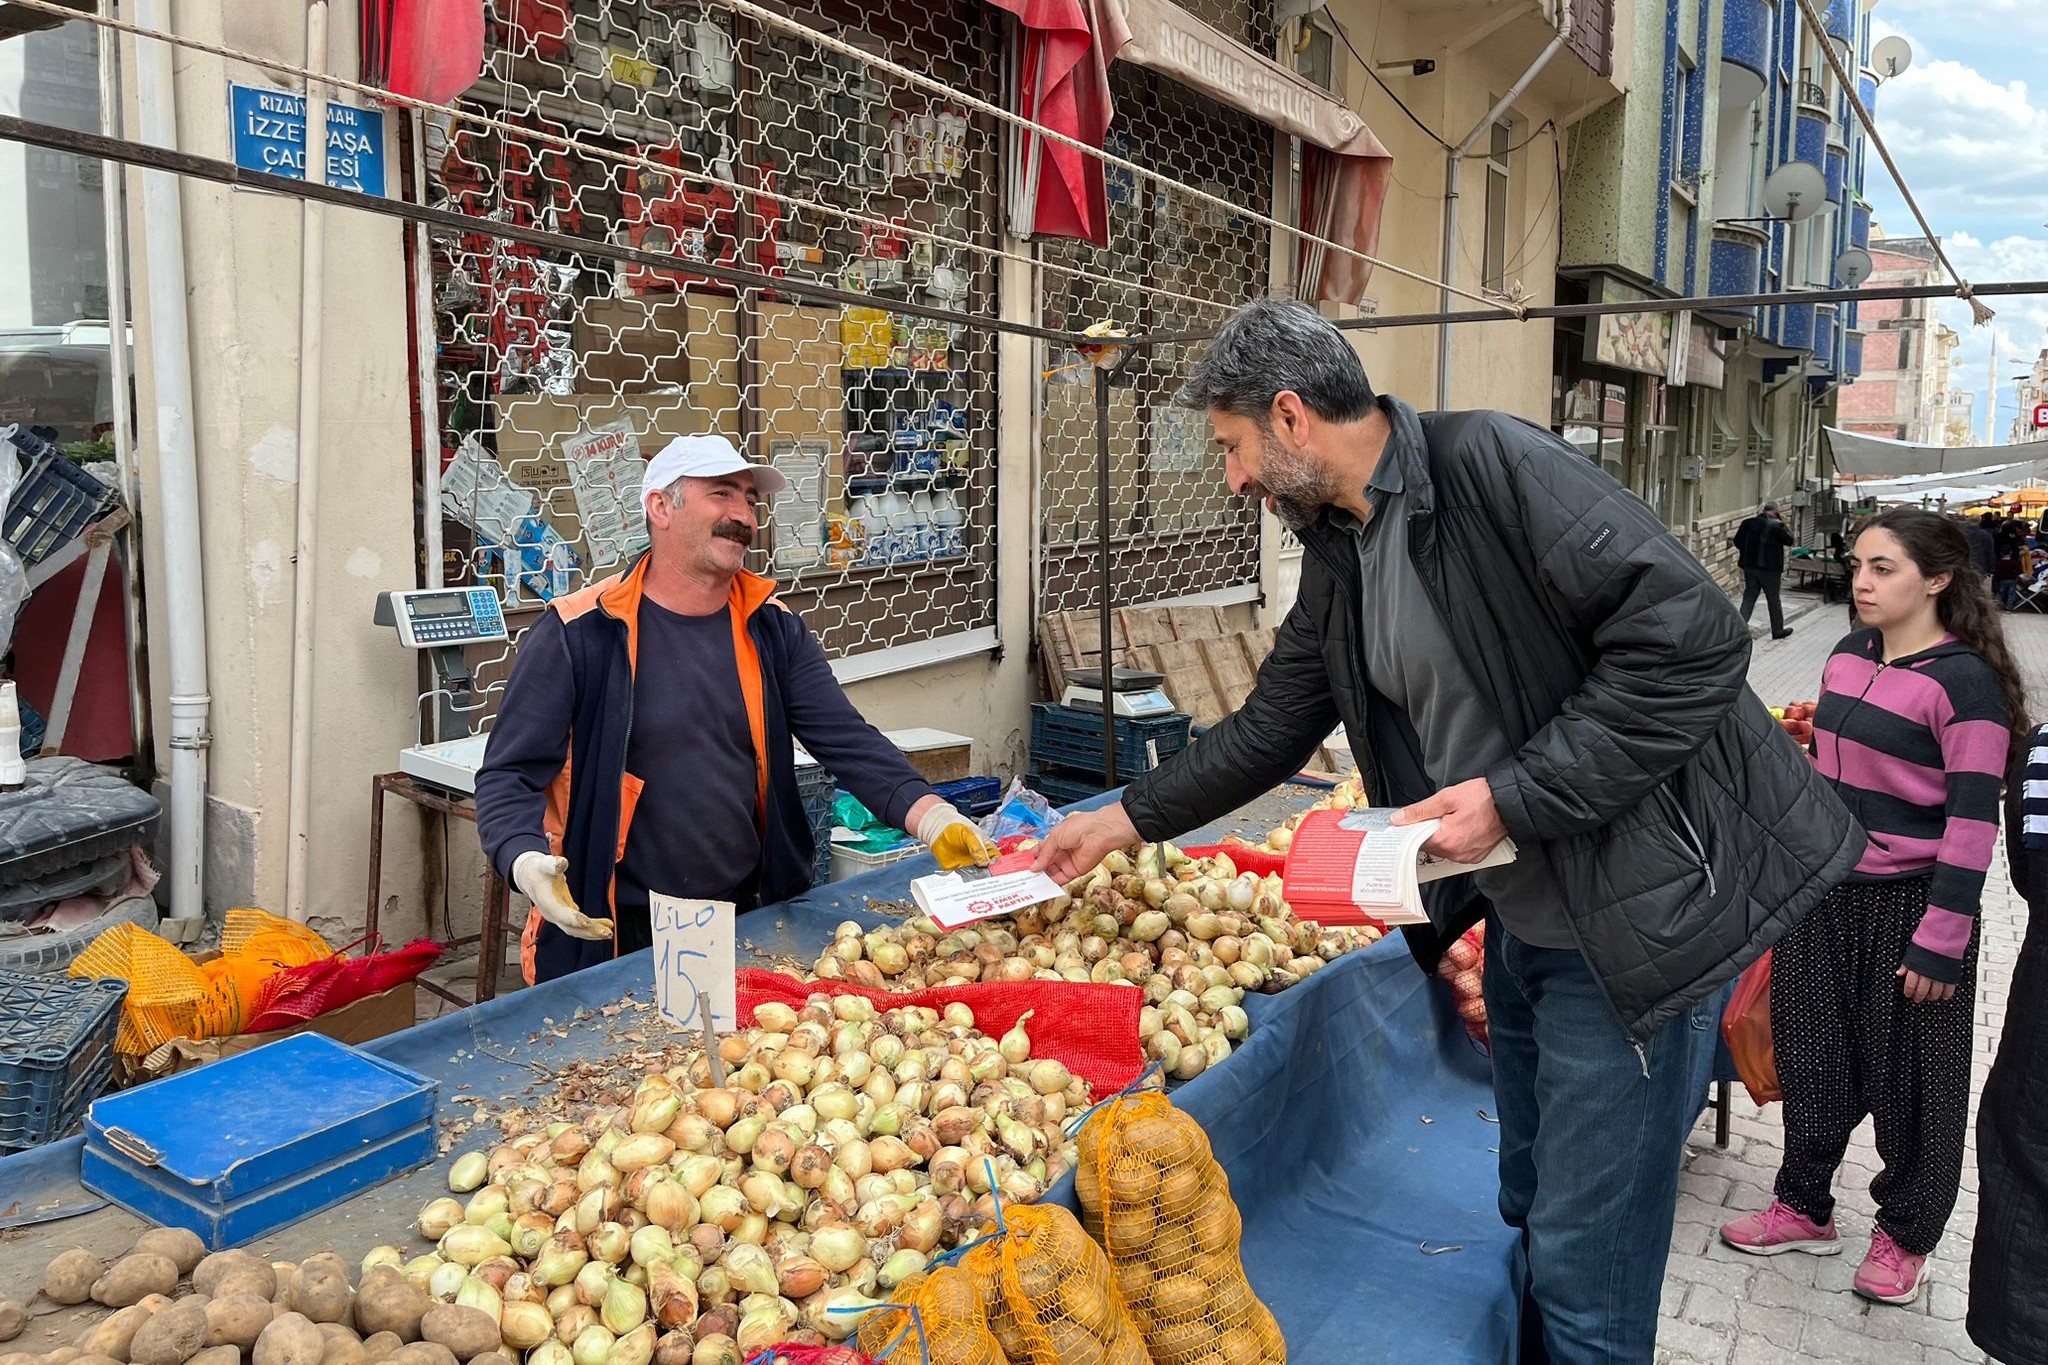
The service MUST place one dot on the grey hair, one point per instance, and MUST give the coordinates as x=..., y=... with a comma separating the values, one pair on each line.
x=1271, y=346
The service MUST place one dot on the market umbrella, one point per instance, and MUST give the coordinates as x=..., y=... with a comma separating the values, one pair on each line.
x=1062, y=83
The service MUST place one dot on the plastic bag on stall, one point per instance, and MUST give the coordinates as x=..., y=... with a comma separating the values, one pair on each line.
x=1022, y=812
x=1155, y=1195
x=1746, y=1025
x=13, y=577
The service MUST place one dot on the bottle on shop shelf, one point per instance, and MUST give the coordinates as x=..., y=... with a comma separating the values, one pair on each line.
x=868, y=516
x=953, y=143
x=843, y=543
x=899, y=539
x=950, y=523
x=924, y=528
x=899, y=145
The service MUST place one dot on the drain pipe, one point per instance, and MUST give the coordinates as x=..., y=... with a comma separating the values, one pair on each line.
x=312, y=310
x=163, y=226
x=1452, y=160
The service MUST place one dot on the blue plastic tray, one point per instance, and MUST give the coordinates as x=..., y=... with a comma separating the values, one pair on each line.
x=258, y=1122
x=146, y=1193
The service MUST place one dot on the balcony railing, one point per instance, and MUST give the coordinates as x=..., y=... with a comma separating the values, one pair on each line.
x=1813, y=95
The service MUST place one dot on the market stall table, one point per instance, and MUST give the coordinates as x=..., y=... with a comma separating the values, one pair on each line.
x=1354, y=1123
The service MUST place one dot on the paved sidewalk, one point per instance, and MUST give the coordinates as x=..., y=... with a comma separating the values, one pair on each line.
x=1725, y=1308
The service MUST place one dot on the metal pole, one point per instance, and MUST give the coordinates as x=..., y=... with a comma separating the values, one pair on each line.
x=1103, y=588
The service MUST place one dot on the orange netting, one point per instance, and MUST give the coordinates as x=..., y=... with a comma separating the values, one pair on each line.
x=1152, y=1190
x=1050, y=1299
x=171, y=996
x=949, y=1325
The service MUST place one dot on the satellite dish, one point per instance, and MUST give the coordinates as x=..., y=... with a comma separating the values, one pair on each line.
x=1795, y=191
x=1891, y=57
x=1853, y=267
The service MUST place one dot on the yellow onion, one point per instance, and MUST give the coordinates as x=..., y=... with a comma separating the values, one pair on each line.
x=650, y=1244
x=891, y=1154
x=750, y=1269
x=486, y=1204
x=716, y=1349
x=596, y=1171
x=478, y=1294
x=922, y=1227
x=385, y=1255
x=635, y=1347
x=773, y=1149
x=671, y=1296
x=467, y=1245
x=624, y=1308
x=419, y=1271
x=447, y=1282
x=655, y=1106
x=809, y=1167
x=610, y=1243
x=845, y=1310
x=641, y=1151
x=593, y=1346
x=855, y=1158
x=470, y=1170
x=799, y=1277
x=530, y=1232
x=550, y=1352
x=521, y=1288
x=591, y=1283
x=596, y=1208
x=524, y=1326
x=838, y=1248
x=719, y=1106
x=744, y=1133
x=760, y=1327
x=563, y=1255
x=900, y=1266
x=697, y=1174
x=496, y=1272
x=1048, y=1076
x=753, y=1227
x=724, y=1206
x=438, y=1217
x=714, y=1286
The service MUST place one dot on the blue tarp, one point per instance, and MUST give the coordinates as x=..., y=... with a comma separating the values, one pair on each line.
x=1353, y=1123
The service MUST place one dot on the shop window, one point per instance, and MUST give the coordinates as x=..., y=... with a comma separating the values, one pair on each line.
x=1173, y=262
x=718, y=139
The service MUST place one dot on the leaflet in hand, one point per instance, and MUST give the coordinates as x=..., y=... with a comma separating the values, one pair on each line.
x=1008, y=885
x=1351, y=867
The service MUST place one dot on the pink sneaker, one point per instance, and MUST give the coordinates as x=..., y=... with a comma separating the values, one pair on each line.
x=1781, y=1228
x=1890, y=1273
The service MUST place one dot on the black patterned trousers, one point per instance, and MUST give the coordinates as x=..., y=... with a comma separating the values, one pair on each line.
x=1849, y=1044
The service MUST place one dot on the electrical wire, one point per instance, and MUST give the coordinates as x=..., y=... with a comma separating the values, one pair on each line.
x=1366, y=64
x=824, y=40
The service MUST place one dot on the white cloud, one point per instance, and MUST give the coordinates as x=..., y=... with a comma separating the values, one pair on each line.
x=2021, y=327
x=1973, y=150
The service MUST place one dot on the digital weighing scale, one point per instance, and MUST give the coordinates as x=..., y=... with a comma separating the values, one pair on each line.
x=441, y=621
x=1135, y=693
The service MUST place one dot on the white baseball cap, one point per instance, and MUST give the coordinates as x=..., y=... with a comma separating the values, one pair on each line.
x=705, y=457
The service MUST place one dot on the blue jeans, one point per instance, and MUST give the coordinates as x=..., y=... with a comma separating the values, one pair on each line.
x=1592, y=1132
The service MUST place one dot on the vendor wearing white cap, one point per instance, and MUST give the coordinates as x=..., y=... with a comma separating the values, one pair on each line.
x=676, y=688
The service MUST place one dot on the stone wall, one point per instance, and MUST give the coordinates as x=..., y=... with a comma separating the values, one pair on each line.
x=1708, y=540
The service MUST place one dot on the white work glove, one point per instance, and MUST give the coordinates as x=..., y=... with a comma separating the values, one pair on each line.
x=540, y=877
x=953, y=838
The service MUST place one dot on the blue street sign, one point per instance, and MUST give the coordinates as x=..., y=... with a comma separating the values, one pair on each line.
x=270, y=135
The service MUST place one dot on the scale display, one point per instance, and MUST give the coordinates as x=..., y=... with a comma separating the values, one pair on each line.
x=427, y=618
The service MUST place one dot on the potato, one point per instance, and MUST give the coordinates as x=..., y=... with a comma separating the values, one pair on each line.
x=207, y=1275
x=217, y=1355
x=182, y=1245
x=94, y=1360
x=465, y=1331
x=286, y=1276
x=291, y=1340
x=381, y=1345
x=112, y=1335
x=63, y=1355
x=70, y=1275
x=237, y=1320
x=134, y=1277
x=154, y=1303
x=19, y=1358
x=13, y=1318
x=342, y=1346
x=322, y=1293
x=491, y=1358
x=254, y=1279
x=389, y=1303
x=421, y=1353
x=170, y=1337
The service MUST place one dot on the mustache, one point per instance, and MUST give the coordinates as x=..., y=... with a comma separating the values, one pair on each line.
x=737, y=531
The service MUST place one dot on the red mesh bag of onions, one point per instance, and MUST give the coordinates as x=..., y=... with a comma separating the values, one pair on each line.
x=1463, y=970
x=1090, y=1030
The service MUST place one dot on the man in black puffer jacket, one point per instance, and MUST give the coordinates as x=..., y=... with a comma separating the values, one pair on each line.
x=1515, y=645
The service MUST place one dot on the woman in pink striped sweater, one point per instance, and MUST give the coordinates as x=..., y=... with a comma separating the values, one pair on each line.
x=1873, y=995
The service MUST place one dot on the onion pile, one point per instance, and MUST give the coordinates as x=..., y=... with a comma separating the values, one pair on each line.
x=699, y=1224
x=1346, y=795
x=1193, y=933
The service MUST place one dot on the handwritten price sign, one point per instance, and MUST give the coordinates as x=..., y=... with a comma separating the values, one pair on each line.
x=693, y=956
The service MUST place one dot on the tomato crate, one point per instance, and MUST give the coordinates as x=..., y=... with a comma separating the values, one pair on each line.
x=1062, y=737
x=54, y=501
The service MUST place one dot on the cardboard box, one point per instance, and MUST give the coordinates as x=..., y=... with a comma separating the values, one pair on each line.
x=359, y=1021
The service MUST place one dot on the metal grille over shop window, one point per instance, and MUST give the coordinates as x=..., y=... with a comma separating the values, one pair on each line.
x=557, y=374
x=1173, y=263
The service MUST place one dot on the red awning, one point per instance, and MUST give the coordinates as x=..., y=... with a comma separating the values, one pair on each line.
x=1060, y=80
x=423, y=49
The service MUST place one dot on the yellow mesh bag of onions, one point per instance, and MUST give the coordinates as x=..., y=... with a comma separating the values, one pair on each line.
x=948, y=1327
x=1050, y=1299
x=1153, y=1192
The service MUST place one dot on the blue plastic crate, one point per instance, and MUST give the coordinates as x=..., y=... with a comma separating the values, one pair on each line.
x=315, y=1121
x=56, y=1053
x=1062, y=737
x=973, y=797
x=817, y=787
x=1062, y=786
x=54, y=501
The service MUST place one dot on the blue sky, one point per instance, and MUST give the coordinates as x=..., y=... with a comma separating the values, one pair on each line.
x=1969, y=129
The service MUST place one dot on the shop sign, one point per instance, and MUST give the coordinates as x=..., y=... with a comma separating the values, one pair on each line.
x=2040, y=415
x=270, y=135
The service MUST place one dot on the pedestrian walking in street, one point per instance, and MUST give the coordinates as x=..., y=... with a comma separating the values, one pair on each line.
x=2010, y=542
x=2008, y=1291
x=1873, y=995
x=1760, y=552
x=1984, y=545
x=1517, y=646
